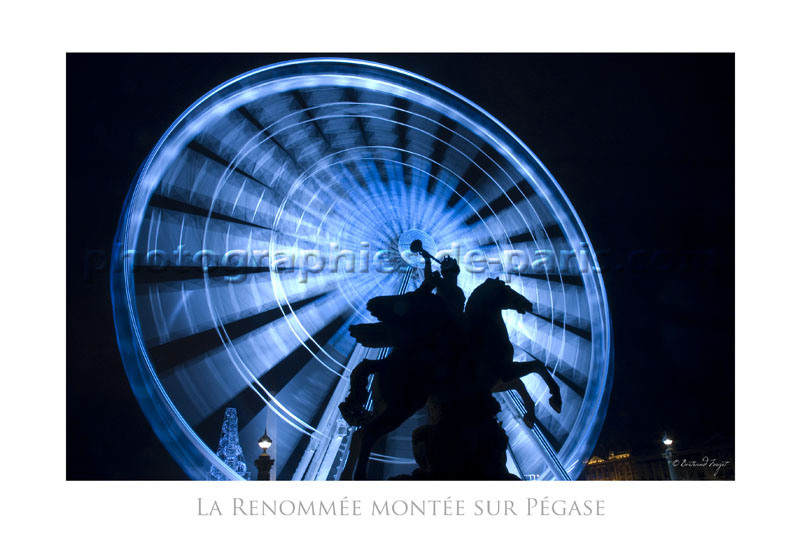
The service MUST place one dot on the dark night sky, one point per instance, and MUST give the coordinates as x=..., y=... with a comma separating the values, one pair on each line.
x=643, y=146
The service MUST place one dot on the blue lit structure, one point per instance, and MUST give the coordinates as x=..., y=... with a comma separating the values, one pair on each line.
x=220, y=297
x=229, y=449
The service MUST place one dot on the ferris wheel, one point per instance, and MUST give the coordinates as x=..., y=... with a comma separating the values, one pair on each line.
x=280, y=202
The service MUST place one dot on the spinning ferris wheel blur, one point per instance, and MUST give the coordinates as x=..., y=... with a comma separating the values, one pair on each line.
x=280, y=202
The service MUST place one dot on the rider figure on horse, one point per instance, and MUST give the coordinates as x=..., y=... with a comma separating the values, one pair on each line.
x=432, y=324
x=445, y=283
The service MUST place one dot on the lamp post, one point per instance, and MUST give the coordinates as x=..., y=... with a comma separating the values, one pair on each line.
x=264, y=462
x=668, y=455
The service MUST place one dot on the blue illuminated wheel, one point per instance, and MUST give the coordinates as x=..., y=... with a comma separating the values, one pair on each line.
x=280, y=202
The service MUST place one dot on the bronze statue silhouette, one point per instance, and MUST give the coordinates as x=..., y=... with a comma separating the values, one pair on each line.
x=448, y=357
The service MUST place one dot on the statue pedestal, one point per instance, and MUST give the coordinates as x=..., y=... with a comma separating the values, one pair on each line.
x=464, y=442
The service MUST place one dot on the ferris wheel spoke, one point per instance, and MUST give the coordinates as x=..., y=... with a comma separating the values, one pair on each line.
x=316, y=413
x=301, y=102
x=277, y=377
x=556, y=372
x=569, y=279
x=584, y=333
x=250, y=401
x=291, y=136
x=552, y=231
x=516, y=220
x=554, y=441
x=474, y=174
x=167, y=203
x=360, y=125
x=271, y=138
x=401, y=117
x=213, y=156
x=179, y=351
x=534, y=450
x=563, y=308
x=559, y=349
x=520, y=191
x=147, y=274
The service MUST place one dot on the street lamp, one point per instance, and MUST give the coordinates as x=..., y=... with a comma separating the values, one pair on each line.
x=265, y=442
x=668, y=456
x=264, y=462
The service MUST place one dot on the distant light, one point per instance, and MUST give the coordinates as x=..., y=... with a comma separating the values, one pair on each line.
x=667, y=442
x=265, y=442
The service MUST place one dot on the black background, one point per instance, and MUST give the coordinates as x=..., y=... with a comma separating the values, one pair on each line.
x=642, y=144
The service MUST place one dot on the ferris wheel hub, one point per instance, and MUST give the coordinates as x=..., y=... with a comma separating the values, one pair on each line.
x=404, y=246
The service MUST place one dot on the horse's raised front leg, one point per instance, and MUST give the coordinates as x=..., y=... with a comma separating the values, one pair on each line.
x=517, y=385
x=517, y=370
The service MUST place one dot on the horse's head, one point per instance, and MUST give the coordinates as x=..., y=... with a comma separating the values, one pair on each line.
x=495, y=295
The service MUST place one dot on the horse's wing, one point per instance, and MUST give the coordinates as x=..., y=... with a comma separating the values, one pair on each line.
x=412, y=320
x=408, y=308
x=376, y=335
x=390, y=308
